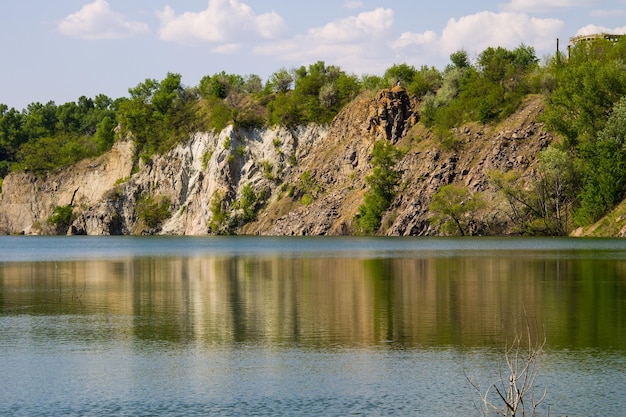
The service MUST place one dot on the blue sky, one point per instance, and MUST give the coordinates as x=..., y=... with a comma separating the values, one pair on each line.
x=60, y=50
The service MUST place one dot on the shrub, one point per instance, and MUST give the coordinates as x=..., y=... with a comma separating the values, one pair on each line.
x=153, y=210
x=219, y=214
x=268, y=170
x=61, y=218
x=248, y=202
x=206, y=157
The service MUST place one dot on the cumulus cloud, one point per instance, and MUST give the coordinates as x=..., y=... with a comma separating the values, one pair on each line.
x=474, y=33
x=354, y=42
x=479, y=31
x=593, y=29
x=224, y=22
x=538, y=6
x=96, y=21
x=366, y=43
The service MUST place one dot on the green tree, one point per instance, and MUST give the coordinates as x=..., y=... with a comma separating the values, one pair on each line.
x=604, y=168
x=555, y=189
x=12, y=135
x=166, y=92
x=373, y=82
x=588, y=85
x=281, y=81
x=383, y=184
x=40, y=120
x=454, y=209
x=400, y=73
x=460, y=59
x=105, y=134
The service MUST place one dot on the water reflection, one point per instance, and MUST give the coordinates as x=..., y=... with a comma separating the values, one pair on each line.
x=322, y=302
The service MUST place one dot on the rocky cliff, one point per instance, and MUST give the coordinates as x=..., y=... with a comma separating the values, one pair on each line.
x=305, y=181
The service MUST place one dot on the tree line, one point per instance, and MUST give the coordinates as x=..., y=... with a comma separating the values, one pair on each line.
x=581, y=178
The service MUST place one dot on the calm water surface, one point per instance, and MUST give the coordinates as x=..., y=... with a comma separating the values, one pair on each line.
x=304, y=326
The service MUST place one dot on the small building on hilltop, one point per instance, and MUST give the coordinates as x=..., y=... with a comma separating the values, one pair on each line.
x=593, y=37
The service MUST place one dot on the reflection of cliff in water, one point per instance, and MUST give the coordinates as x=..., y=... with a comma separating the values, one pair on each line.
x=439, y=301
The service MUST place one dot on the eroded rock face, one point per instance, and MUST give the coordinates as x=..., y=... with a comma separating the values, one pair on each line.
x=391, y=114
x=335, y=161
x=27, y=200
x=193, y=174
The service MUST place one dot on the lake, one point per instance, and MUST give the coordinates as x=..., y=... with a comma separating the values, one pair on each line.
x=232, y=326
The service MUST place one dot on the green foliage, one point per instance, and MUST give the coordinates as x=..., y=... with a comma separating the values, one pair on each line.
x=592, y=80
x=4, y=168
x=222, y=85
x=586, y=88
x=307, y=188
x=460, y=59
x=153, y=210
x=417, y=82
x=158, y=115
x=373, y=82
x=541, y=205
x=604, y=168
x=318, y=94
x=206, y=157
x=399, y=73
x=45, y=137
x=49, y=153
x=306, y=199
x=281, y=81
x=555, y=189
x=61, y=218
x=219, y=216
x=105, y=134
x=268, y=170
x=249, y=202
x=486, y=93
x=383, y=183
x=453, y=209
x=284, y=111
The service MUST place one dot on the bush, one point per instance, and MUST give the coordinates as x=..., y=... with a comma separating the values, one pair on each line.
x=153, y=210
x=61, y=218
x=249, y=202
x=219, y=215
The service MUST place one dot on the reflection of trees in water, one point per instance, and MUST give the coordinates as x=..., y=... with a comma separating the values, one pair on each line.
x=414, y=301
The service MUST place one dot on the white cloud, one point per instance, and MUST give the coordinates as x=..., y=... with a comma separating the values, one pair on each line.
x=474, y=33
x=408, y=39
x=481, y=30
x=354, y=28
x=96, y=21
x=355, y=43
x=538, y=6
x=593, y=29
x=224, y=22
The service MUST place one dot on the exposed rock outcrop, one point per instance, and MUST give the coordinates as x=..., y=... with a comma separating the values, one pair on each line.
x=27, y=200
x=306, y=181
x=392, y=114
